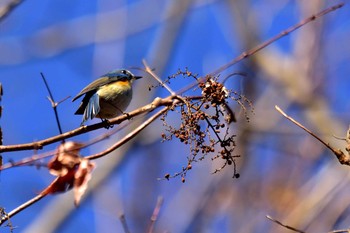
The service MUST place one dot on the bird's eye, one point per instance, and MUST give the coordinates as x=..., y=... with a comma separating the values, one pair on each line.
x=124, y=71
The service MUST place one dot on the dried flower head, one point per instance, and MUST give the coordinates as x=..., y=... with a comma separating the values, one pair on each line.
x=205, y=124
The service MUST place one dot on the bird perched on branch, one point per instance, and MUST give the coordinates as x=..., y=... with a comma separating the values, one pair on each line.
x=106, y=97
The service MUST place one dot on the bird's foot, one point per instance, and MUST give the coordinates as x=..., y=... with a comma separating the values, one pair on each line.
x=127, y=115
x=107, y=124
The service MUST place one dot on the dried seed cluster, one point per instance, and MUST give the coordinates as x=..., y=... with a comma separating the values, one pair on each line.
x=205, y=125
x=214, y=92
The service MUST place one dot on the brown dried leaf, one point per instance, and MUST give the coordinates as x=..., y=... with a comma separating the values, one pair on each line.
x=67, y=158
x=60, y=184
x=77, y=178
x=81, y=178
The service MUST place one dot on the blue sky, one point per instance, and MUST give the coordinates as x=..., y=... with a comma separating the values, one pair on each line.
x=73, y=43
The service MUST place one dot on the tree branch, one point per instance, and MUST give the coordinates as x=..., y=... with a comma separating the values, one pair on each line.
x=6, y=10
x=157, y=102
x=277, y=37
x=21, y=207
x=53, y=104
x=129, y=136
x=283, y=225
x=155, y=214
x=343, y=158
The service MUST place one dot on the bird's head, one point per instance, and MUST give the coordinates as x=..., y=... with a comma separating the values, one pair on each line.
x=122, y=75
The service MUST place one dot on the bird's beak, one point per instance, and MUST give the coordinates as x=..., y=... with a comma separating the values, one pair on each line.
x=137, y=77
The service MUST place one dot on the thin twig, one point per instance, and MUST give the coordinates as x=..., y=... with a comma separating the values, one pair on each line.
x=340, y=231
x=343, y=159
x=129, y=136
x=124, y=224
x=155, y=214
x=53, y=104
x=1, y=93
x=150, y=107
x=150, y=71
x=21, y=207
x=6, y=10
x=84, y=129
x=263, y=45
x=277, y=37
x=30, y=161
x=283, y=225
x=339, y=138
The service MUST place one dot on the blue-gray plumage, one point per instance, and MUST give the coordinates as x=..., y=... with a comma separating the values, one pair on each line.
x=108, y=96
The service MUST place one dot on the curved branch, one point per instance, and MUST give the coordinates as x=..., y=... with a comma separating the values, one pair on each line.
x=277, y=37
x=25, y=205
x=342, y=158
x=129, y=136
x=6, y=10
x=157, y=102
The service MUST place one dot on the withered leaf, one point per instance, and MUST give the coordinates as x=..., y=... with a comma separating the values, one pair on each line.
x=67, y=158
x=81, y=179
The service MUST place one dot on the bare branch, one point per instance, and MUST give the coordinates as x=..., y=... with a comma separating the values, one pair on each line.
x=155, y=214
x=31, y=161
x=343, y=159
x=341, y=231
x=150, y=71
x=53, y=104
x=124, y=224
x=277, y=37
x=6, y=10
x=283, y=225
x=264, y=44
x=157, y=102
x=21, y=208
x=129, y=136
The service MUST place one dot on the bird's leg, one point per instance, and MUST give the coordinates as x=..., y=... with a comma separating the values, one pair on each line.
x=127, y=115
x=122, y=112
x=108, y=124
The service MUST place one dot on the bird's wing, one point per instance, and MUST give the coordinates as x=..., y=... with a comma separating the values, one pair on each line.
x=93, y=86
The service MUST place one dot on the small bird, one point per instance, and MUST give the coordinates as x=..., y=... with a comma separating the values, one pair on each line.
x=106, y=97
